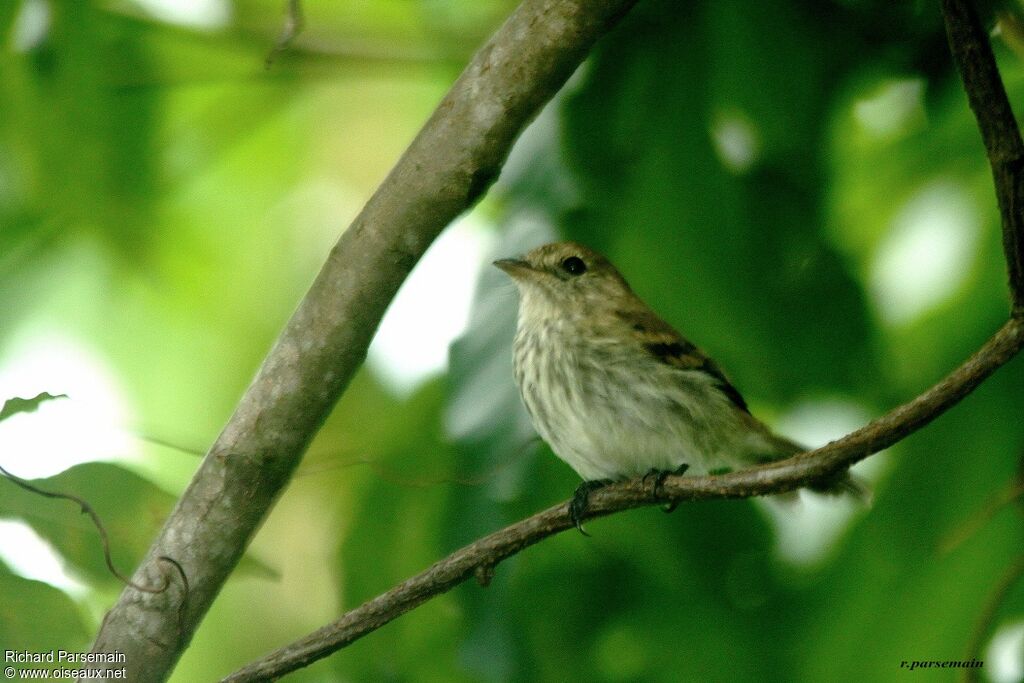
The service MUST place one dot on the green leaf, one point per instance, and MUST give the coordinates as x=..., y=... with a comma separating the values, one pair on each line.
x=130, y=508
x=37, y=617
x=13, y=406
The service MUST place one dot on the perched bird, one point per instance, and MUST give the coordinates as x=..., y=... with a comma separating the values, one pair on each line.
x=615, y=391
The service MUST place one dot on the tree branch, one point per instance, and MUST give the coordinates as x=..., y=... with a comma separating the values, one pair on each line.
x=1002, y=139
x=972, y=53
x=452, y=161
x=786, y=475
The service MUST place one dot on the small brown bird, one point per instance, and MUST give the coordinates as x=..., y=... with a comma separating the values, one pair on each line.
x=615, y=390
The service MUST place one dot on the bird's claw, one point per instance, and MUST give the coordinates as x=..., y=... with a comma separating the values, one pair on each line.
x=578, y=504
x=659, y=482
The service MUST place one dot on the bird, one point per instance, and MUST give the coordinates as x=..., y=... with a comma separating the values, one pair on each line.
x=617, y=392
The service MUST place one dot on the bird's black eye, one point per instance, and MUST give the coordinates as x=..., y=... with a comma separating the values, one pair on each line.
x=574, y=265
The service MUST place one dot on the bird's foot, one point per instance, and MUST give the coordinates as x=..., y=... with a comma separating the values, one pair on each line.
x=659, y=481
x=578, y=504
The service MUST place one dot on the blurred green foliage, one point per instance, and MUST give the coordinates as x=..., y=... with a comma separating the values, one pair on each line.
x=164, y=201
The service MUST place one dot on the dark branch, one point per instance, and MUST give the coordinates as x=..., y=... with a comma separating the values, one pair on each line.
x=987, y=96
x=786, y=475
x=444, y=171
x=1005, y=150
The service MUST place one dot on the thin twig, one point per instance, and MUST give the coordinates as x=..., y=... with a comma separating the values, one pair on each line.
x=15, y=405
x=988, y=615
x=1005, y=150
x=446, y=169
x=87, y=509
x=483, y=555
x=449, y=165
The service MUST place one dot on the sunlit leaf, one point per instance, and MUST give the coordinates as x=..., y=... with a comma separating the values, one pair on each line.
x=130, y=508
x=36, y=617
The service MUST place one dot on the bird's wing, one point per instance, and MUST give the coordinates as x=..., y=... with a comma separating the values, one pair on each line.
x=662, y=341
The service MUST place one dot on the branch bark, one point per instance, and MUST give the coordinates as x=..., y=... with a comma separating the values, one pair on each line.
x=452, y=161
x=1001, y=136
x=972, y=53
x=480, y=557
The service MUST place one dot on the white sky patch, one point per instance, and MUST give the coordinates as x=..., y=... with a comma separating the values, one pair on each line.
x=432, y=307
x=736, y=141
x=892, y=108
x=1004, y=661
x=30, y=25
x=927, y=254
x=84, y=427
x=806, y=530
x=202, y=14
x=30, y=556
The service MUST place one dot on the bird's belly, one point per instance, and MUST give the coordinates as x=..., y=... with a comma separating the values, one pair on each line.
x=610, y=422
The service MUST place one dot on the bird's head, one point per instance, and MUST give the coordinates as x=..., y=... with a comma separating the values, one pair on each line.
x=565, y=279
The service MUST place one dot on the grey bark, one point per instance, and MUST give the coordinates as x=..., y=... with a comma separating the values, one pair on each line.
x=987, y=96
x=452, y=161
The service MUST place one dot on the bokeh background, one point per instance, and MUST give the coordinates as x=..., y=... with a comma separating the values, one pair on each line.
x=797, y=185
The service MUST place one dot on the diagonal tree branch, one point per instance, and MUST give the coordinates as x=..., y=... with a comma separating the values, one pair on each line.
x=479, y=558
x=987, y=96
x=972, y=53
x=452, y=161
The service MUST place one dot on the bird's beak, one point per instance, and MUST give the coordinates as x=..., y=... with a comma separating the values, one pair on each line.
x=514, y=267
